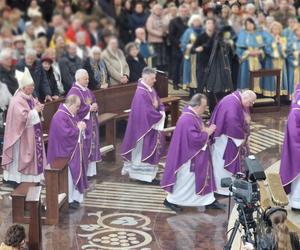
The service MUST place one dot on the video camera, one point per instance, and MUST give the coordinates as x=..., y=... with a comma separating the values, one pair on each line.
x=245, y=191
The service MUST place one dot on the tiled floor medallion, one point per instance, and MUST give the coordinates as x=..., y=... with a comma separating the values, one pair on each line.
x=116, y=231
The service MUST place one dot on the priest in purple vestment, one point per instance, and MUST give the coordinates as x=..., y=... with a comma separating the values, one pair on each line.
x=290, y=158
x=188, y=175
x=88, y=112
x=230, y=140
x=24, y=156
x=296, y=96
x=66, y=141
x=143, y=144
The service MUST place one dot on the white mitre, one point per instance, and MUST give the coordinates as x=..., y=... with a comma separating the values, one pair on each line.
x=24, y=78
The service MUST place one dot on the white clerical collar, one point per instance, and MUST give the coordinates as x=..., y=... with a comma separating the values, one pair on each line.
x=191, y=108
x=81, y=87
x=68, y=110
x=146, y=85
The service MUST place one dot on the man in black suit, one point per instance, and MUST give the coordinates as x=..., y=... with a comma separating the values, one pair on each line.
x=177, y=27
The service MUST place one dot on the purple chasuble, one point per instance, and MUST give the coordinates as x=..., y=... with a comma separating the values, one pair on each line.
x=142, y=117
x=92, y=137
x=39, y=143
x=229, y=117
x=290, y=157
x=187, y=142
x=64, y=143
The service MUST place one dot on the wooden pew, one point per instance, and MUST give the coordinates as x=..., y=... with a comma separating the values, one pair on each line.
x=33, y=199
x=56, y=178
x=19, y=205
x=269, y=103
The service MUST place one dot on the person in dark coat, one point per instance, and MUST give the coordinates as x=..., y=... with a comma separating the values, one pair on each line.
x=122, y=22
x=214, y=63
x=177, y=27
x=47, y=66
x=139, y=17
x=68, y=65
x=41, y=86
x=135, y=62
x=7, y=74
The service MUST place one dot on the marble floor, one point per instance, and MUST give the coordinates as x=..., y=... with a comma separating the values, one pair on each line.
x=122, y=214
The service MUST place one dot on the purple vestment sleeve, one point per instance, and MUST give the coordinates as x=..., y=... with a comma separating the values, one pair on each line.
x=290, y=157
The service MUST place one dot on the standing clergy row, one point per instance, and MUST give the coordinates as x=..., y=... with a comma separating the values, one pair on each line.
x=198, y=156
x=74, y=134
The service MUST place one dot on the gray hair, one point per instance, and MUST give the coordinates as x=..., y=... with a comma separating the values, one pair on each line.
x=30, y=52
x=197, y=100
x=5, y=54
x=94, y=49
x=248, y=94
x=71, y=99
x=193, y=18
x=129, y=46
x=148, y=71
x=80, y=73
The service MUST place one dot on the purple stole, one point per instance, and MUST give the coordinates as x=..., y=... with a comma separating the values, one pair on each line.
x=38, y=133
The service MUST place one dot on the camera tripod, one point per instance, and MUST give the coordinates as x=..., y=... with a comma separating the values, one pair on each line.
x=246, y=220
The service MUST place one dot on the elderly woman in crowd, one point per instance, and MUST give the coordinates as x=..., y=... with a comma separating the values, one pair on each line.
x=115, y=61
x=47, y=67
x=156, y=33
x=187, y=41
x=135, y=62
x=97, y=70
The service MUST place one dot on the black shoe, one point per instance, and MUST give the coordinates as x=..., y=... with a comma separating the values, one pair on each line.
x=11, y=184
x=175, y=87
x=172, y=206
x=74, y=205
x=295, y=209
x=216, y=205
x=155, y=182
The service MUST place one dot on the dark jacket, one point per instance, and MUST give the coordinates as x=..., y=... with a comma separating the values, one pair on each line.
x=68, y=67
x=176, y=29
x=52, y=82
x=137, y=20
x=93, y=84
x=41, y=85
x=135, y=67
x=8, y=77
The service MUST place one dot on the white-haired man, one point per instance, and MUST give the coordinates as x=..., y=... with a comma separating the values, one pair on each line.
x=7, y=74
x=87, y=113
x=230, y=147
x=23, y=157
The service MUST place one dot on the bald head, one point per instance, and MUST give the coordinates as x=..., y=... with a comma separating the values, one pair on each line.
x=73, y=103
x=248, y=98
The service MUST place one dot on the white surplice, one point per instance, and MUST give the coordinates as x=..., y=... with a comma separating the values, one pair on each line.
x=184, y=190
x=294, y=196
x=218, y=149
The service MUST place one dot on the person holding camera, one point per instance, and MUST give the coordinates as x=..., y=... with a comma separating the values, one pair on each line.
x=188, y=176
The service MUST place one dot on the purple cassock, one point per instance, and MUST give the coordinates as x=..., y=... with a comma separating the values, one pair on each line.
x=143, y=116
x=64, y=142
x=290, y=157
x=187, y=144
x=229, y=117
x=92, y=137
